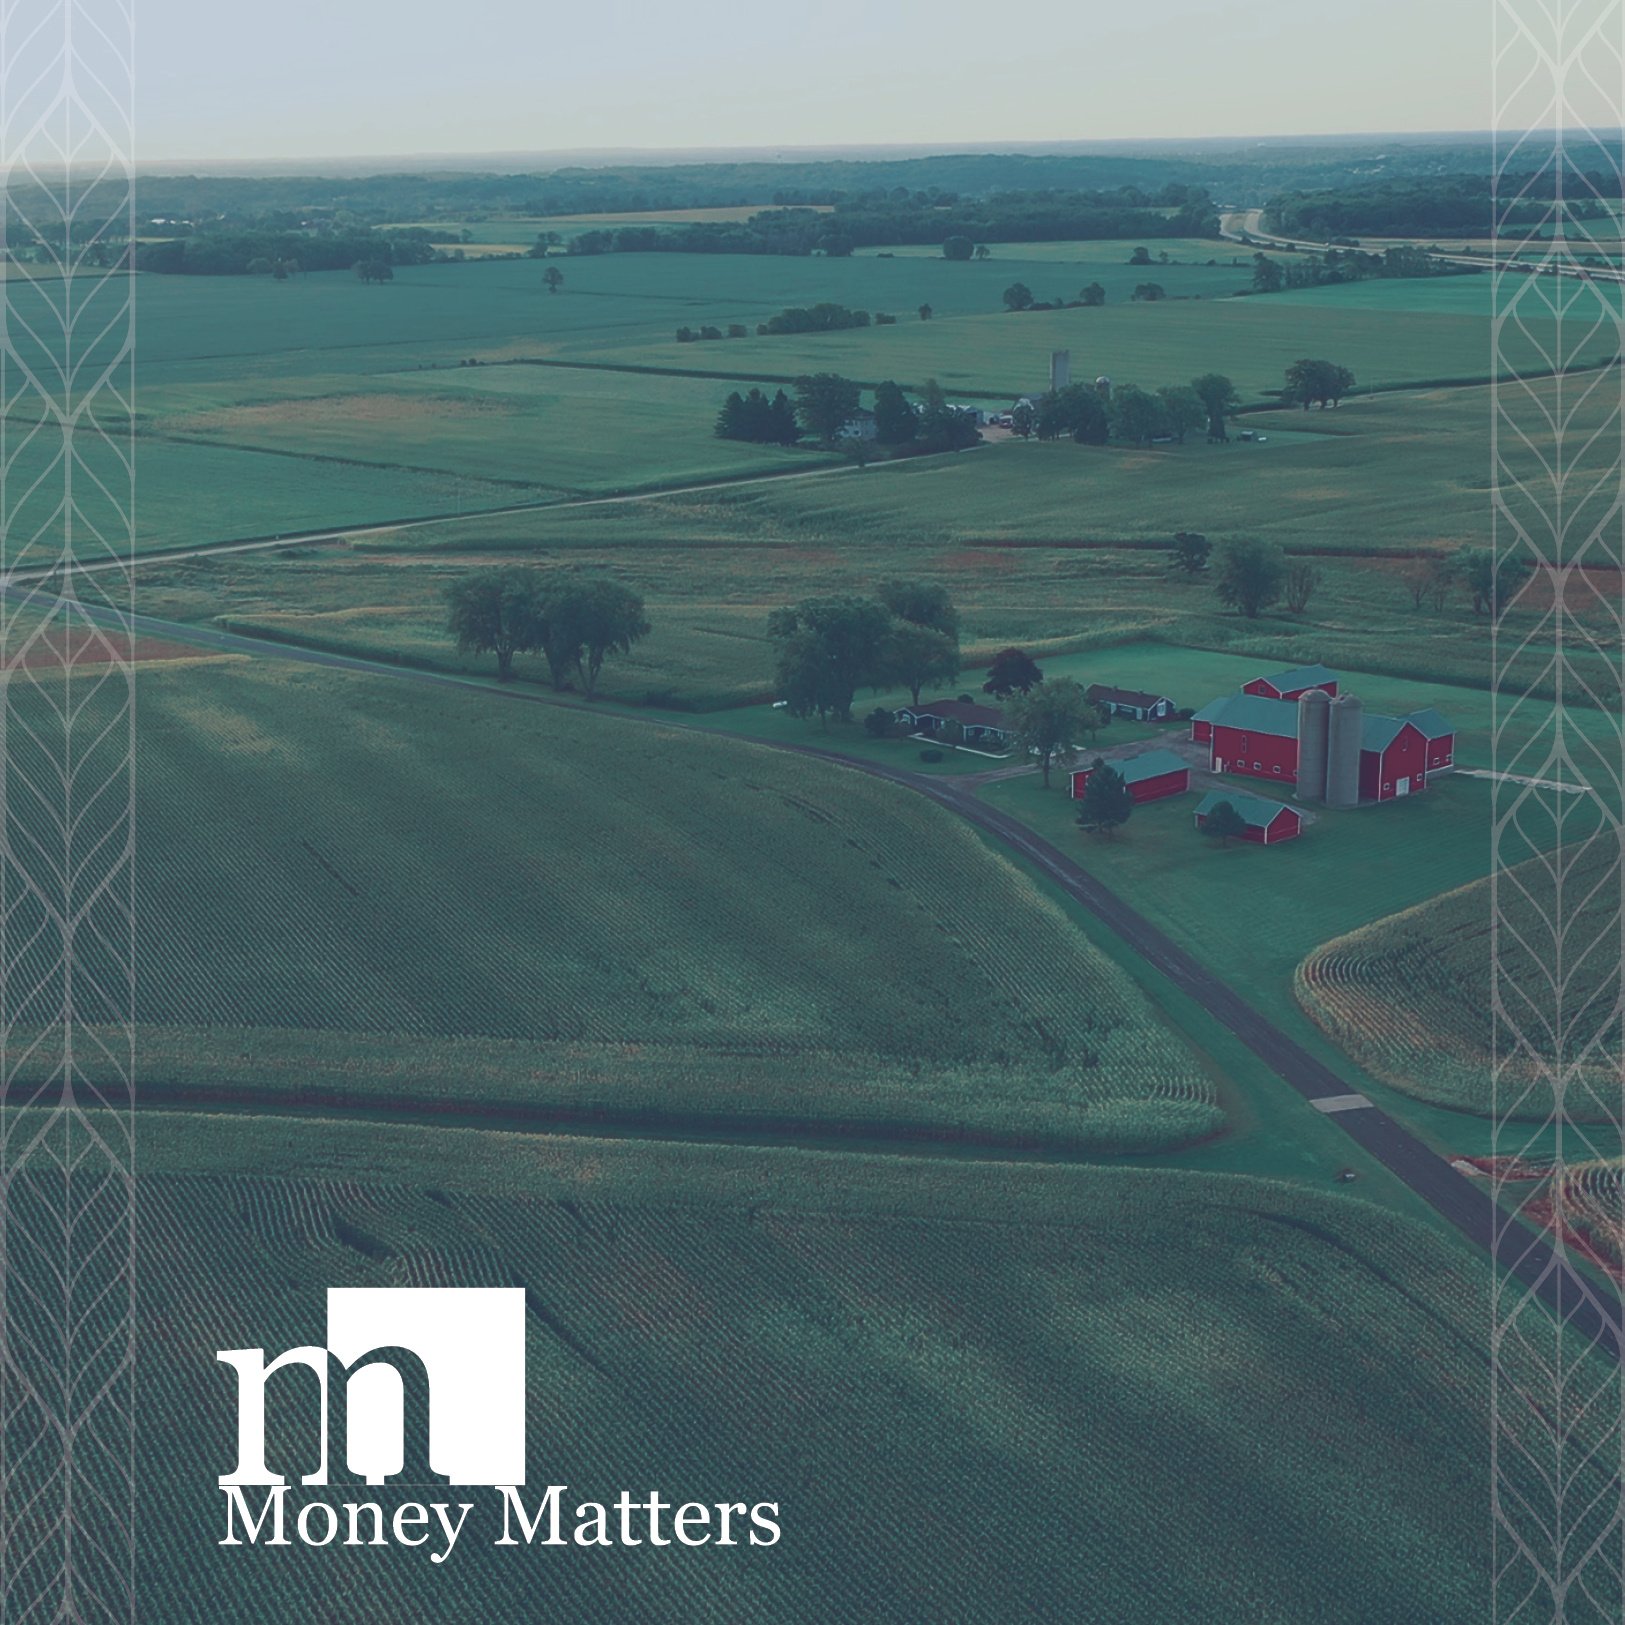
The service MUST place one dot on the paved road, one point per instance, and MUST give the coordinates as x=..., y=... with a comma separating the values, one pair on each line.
x=1590, y=1309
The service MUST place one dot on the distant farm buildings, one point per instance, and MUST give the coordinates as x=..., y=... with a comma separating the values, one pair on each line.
x=1140, y=704
x=1266, y=822
x=1293, y=727
x=1149, y=777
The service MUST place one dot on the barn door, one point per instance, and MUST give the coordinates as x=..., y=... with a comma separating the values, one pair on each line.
x=1402, y=787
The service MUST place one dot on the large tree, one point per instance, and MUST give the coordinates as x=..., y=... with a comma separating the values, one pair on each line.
x=1184, y=409
x=592, y=619
x=1136, y=415
x=1106, y=802
x=1190, y=552
x=1077, y=411
x=554, y=278
x=1219, y=396
x=1492, y=586
x=896, y=422
x=826, y=403
x=497, y=611
x=1050, y=723
x=1322, y=382
x=828, y=648
x=925, y=603
x=916, y=655
x=1251, y=576
x=1012, y=671
x=1092, y=294
x=958, y=248
x=1018, y=296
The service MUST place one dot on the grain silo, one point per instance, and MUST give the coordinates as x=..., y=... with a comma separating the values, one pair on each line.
x=1343, y=751
x=1060, y=370
x=1313, y=720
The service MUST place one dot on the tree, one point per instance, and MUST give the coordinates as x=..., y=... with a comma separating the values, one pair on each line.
x=591, y=620
x=1219, y=396
x=1018, y=296
x=554, y=278
x=828, y=648
x=924, y=603
x=941, y=427
x=1023, y=419
x=379, y=271
x=1251, y=575
x=1093, y=294
x=916, y=655
x=1223, y=823
x=1076, y=411
x=983, y=252
x=1298, y=585
x=1140, y=256
x=1150, y=292
x=497, y=611
x=1491, y=586
x=925, y=313
x=896, y=422
x=1012, y=671
x=1190, y=552
x=1049, y=722
x=826, y=403
x=1322, y=382
x=1107, y=801
x=1136, y=415
x=1184, y=409
x=958, y=248
x=1268, y=277
x=879, y=722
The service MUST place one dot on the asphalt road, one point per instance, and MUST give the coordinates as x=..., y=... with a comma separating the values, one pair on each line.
x=1590, y=1309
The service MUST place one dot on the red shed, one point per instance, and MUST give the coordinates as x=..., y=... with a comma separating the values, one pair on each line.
x=1393, y=758
x=1441, y=740
x=1149, y=777
x=1268, y=822
x=1293, y=682
x=1255, y=736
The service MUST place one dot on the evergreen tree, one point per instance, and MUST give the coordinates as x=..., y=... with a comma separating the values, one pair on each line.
x=1107, y=801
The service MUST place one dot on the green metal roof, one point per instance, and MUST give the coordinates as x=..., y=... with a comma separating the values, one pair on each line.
x=1153, y=764
x=1253, y=809
x=1433, y=725
x=1301, y=677
x=1254, y=713
x=1212, y=709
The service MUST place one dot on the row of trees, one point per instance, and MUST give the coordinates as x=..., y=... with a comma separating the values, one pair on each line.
x=1093, y=416
x=260, y=252
x=1316, y=270
x=574, y=622
x=1491, y=584
x=761, y=421
x=826, y=403
x=1019, y=297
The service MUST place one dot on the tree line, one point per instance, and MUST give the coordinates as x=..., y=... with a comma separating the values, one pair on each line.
x=826, y=404
x=244, y=253
x=1442, y=205
x=1347, y=265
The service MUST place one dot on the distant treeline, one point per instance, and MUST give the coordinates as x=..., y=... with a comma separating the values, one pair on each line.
x=1444, y=206
x=900, y=218
x=1309, y=270
x=243, y=253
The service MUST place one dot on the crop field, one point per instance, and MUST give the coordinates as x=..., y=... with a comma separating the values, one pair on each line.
x=1409, y=995
x=447, y=904
x=886, y=1347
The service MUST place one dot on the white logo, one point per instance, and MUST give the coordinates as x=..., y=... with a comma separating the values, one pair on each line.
x=453, y=1354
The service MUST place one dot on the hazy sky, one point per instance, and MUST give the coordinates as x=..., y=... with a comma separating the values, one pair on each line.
x=308, y=78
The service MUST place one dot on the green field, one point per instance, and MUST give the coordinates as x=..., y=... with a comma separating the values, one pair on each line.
x=1409, y=996
x=448, y=904
x=892, y=1349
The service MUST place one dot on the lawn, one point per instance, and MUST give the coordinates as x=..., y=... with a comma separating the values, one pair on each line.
x=400, y=896
x=884, y=1346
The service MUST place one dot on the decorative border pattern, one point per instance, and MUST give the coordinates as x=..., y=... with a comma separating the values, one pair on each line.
x=67, y=487
x=1557, y=932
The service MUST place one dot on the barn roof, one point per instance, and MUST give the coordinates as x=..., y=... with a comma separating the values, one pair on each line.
x=1257, y=714
x=965, y=712
x=1151, y=764
x=1255, y=810
x=1378, y=733
x=1433, y=725
x=1301, y=677
x=1213, y=709
x=1141, y=698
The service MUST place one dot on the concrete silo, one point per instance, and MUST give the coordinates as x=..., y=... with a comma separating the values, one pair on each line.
x=1060, y=370
x=1343, y=751
x=1313, y=722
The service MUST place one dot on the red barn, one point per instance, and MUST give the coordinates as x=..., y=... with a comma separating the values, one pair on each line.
x=1149, y=777
x=1441, y=740
x=1393, y=758
x=1256, y=736
x=1268, y=822
x=1202, y=721
x=1293, y=682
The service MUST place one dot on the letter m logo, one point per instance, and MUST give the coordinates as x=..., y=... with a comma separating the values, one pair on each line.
x=453, y=1354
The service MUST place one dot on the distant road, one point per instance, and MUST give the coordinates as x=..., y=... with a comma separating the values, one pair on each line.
x=1591, y=1310
x=1242, y=226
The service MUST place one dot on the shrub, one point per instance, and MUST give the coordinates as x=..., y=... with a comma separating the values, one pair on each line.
x=930, y=755
x=878, y=723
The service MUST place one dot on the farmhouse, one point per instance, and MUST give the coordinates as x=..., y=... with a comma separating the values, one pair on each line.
x=1130, y=702
x=1150, y=777
x=981, y=723
x=1292, y=683
x=1268, y=822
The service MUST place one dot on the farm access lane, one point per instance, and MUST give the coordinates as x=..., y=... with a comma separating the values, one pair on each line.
x=1589, y=1309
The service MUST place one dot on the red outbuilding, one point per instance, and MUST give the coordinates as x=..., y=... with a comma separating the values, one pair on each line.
x=1267, y=822
x=1292, y=683
x=1149, y=777
x=1441, y=740
x=1393, y=758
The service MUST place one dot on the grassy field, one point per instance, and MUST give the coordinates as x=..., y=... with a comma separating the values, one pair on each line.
x=391, y=894
x=892, y=1349
x=1409, y=996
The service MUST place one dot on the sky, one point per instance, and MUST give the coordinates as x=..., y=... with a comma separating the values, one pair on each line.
x=304, y=79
